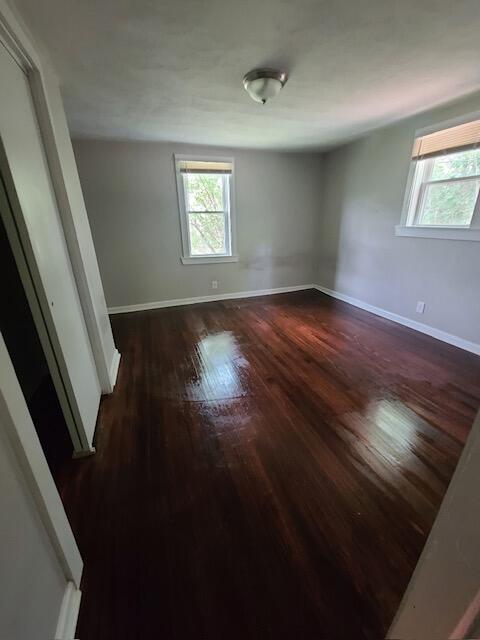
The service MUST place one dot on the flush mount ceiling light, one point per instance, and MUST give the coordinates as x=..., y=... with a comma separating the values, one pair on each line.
x=264, y=84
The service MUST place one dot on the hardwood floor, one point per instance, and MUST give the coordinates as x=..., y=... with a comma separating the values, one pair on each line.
x=266, y=468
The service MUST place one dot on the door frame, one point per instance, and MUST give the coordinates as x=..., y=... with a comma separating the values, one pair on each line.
x=442, y=599
x=14, y=415
x=18, y=43
x=32, y=293
x=32, y=465
x=20, y=50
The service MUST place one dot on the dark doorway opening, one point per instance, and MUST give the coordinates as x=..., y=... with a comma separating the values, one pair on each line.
x=24, y=347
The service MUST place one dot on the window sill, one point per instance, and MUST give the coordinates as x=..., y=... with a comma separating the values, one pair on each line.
x=438, y=233
x=208, y=259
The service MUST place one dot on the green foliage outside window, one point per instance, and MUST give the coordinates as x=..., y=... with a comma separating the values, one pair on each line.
x=206, y=217
x=452, y=203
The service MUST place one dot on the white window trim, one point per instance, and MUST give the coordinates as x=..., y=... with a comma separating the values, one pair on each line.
x=439, y=233
x=406, y=228
x=186, y=258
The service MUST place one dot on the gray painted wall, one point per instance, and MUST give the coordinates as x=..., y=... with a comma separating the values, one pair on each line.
x=360, y=256
x=131, y=198
x=337, y=210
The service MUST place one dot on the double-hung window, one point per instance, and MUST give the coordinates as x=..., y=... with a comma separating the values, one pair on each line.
x=205, y=199
x=442, y=199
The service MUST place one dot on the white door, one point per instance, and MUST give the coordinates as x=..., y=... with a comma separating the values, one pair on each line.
x=25, y=171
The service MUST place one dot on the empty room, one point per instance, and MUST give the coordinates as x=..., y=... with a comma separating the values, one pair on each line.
x=240, y=330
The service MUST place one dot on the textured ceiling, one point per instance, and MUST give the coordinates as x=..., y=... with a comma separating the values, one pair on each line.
x=172, y=69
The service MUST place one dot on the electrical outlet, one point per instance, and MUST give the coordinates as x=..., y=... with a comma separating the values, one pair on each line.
x=214, y=284
x=420, y=306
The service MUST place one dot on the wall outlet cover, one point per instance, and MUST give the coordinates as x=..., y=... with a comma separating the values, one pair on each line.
x=420, y=306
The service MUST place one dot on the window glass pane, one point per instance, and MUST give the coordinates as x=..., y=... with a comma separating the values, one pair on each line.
x=457, y=165
x=207, y=233
x=450, y=203
x=204, y=191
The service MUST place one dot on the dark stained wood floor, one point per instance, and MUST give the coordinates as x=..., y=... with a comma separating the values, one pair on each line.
x=266, y=468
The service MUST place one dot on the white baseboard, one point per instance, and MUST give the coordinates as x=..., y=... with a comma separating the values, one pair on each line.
x=114, y=369
x=215, y=298
x=67, y=620
x=412, y=324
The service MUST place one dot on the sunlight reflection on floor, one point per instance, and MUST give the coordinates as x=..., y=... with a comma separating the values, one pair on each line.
x=218, y=366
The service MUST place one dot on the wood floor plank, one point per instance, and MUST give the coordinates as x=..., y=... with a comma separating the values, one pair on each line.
x=266, y=468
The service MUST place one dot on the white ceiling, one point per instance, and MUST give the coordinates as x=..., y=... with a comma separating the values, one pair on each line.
x=172, y=69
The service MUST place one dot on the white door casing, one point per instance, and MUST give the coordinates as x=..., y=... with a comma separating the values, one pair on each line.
x=25, y=172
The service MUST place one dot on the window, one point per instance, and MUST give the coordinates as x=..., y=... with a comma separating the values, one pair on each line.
x=442, y=199
x=205, y=200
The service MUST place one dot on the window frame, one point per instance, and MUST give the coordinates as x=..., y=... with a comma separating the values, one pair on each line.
x=415, y=192
x=230, y=215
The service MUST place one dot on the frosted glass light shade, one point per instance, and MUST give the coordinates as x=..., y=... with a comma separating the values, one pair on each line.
x=264, y=84
x=262, y=89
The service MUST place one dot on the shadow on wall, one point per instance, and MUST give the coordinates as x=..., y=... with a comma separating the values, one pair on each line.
x=263, y=267
x=331, y=221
